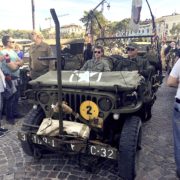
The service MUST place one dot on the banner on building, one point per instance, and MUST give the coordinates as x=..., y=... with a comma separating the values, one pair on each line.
x=135, y=15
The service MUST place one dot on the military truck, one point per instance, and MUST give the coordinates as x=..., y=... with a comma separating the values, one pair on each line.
x=95, y=113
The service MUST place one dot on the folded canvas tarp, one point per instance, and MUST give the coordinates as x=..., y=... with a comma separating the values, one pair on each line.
x=97, y=80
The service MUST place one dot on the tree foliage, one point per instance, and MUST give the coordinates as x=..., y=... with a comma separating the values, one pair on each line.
x=175, y=31
x=95, y=22
x=118, y=28
x=16, y=34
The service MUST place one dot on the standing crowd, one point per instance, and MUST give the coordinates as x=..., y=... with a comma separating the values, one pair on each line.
x=10, y=64
x=11, y=61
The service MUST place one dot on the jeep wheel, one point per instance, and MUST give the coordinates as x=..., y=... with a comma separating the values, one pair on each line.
x=34, y=117
x=145, y=112
x=128, y=146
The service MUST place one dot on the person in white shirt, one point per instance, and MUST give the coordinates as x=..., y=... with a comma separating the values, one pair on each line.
x=174, y=81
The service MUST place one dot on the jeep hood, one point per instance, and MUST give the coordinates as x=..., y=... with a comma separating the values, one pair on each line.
x=123, y=80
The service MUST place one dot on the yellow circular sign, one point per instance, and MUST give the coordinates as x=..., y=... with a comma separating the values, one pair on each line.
x=89, y=110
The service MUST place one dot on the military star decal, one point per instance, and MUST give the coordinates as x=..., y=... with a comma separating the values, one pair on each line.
x=84, y=76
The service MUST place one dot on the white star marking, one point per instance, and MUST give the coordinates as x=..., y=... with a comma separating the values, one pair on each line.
x=53, y=106
x=85, y=76
x=72, y=146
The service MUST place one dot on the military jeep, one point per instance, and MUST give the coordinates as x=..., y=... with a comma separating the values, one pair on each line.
x=95, y=113
x=147, y=50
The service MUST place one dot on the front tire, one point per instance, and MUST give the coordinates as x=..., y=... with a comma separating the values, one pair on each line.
x=128, y=145
x=146, y=112
x=34, y=117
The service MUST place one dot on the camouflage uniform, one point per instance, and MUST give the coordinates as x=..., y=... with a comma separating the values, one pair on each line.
x=154, y=61
x=170, y=59
x=96, y=65
x=73, y=62
x=142, y=65
x=40, y=67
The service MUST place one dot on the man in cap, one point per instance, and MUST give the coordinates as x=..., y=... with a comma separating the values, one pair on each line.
x=139, y=63
x=145, y=69
x=40, y=49
x=170, y=53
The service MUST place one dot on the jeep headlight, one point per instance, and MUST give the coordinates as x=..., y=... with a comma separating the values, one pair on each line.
x=43, y=97
x=105, y=104
x=130, y=98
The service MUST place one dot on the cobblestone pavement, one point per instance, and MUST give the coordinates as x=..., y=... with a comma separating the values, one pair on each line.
x=156, y=160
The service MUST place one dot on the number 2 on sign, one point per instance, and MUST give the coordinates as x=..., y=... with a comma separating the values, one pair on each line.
x=89, y=108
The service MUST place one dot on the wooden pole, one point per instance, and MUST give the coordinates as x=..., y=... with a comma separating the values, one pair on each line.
x=33, y=14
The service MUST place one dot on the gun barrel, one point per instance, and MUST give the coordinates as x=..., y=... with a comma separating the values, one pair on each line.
x=46, y=58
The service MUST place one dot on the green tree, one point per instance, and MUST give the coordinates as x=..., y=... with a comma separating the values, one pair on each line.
x=175, y=31
x=17, y=34
x=122, y=27
x=111, y=28
x=95, y=22
x=118, y=27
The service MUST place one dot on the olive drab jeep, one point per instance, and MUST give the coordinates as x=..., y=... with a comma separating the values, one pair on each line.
x=94, y=113
x=71, y=53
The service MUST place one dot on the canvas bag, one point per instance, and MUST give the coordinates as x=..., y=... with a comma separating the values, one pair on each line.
x=50, y=127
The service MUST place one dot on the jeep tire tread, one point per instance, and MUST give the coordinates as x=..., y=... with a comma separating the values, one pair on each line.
x=145, y=112
x=34, y=117
x=128, y=145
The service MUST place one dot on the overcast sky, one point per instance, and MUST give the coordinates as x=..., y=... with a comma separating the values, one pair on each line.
x=16, y=14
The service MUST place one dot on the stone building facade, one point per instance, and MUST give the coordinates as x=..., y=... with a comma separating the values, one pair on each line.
x=163, y=25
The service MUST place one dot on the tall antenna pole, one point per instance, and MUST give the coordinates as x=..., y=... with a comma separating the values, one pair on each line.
x=33, y=14
x=156, y=39
x=152, y=16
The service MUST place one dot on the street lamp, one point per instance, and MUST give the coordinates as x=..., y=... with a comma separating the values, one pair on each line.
x=91, y=15
x=101, y=3
x=108, y=5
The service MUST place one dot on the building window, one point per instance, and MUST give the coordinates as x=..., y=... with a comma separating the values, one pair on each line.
x=148, y=30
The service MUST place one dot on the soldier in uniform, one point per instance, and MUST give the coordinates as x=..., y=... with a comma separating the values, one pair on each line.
x=139, y=63
x=97, y=64
x=170, y=52
x=40, y=49
x=145, y=69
